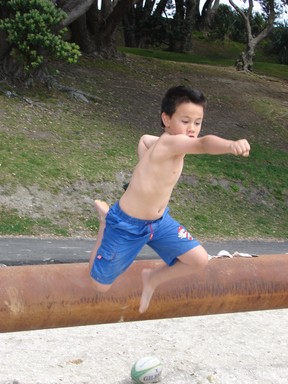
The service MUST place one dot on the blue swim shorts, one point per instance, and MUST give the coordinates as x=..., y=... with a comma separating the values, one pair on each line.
x=125, y=236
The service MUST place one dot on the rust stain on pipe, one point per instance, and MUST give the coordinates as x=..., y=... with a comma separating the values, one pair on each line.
x=53, y=296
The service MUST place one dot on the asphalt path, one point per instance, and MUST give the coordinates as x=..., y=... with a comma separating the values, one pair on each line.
x=33, y=250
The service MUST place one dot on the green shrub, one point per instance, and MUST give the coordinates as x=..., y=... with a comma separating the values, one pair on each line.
x=278, y=43
x=32, y=29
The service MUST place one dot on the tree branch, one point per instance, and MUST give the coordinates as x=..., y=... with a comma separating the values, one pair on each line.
x=238, y=9
x=74, y=9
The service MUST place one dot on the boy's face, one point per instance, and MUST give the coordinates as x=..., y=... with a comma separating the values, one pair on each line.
x=187, y=120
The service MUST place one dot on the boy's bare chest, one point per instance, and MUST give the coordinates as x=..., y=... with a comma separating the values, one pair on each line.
x=170, y=172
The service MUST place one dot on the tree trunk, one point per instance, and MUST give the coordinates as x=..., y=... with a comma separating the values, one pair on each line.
x=74, y=9
x=245, y=61
x=143, y=23
x=105, y=29
x=9, y=67
x=81, y=36
x=129, y=28
x=94, y=30
x=189, y=24
x=208, y=12
x=5, y=47
x=182, y=26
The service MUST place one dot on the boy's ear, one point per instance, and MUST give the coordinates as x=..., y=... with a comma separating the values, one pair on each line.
x=165, y=118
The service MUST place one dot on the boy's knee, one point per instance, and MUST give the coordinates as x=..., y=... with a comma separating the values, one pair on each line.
x=200, y=258
x=101, y=288
x=196, y=258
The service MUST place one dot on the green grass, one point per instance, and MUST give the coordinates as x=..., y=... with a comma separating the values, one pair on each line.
x=216, y=53
x=59, y=143
x=271, y=69
x=238, y=195
x=226, y=214
x=13, y=224
x=262, y=161
x=60, y=151
x=179, y=57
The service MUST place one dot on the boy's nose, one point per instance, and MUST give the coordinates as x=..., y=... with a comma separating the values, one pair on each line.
x=191, y=129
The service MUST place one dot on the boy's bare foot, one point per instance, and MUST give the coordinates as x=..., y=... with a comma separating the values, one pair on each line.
x=102, y=209
x=147, y=292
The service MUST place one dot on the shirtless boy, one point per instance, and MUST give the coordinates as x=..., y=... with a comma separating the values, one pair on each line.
x=141, y=216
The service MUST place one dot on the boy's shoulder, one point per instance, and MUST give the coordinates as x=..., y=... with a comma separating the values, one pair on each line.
x=169, y=139
x=167, y=146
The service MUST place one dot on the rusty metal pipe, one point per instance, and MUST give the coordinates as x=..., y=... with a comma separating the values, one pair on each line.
x=53, y=296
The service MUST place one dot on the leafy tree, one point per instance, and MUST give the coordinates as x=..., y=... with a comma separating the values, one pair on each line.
x=144, y=24
x=180, y=36
x=93, y=26
x=278, y=43
x=204, y=19
x=223, y=24
x=246, y=58
x=163, y=22
x=228, y=24
x=31, y=37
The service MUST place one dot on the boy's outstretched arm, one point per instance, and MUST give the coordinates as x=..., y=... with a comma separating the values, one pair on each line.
x=211, y=145
x=215, y=145
x=145, y=143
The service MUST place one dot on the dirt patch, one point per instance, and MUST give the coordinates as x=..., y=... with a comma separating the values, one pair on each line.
x=71, y=203
x=134, y=97
x=231, y=96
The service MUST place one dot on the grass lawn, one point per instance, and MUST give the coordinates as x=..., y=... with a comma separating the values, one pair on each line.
x=58, y=154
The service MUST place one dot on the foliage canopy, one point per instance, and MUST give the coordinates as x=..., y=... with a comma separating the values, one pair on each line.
x=31, y=29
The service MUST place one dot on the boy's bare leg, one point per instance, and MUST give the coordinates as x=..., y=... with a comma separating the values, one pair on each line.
x=195, y=259
x=102, y=209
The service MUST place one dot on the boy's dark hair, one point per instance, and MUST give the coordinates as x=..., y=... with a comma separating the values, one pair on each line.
x=178, y=95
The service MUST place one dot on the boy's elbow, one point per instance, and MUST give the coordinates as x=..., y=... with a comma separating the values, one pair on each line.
x=143, y=138
x=141, y=149
x=141, y=143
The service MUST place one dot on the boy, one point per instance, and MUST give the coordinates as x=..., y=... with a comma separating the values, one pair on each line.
x=141, y=216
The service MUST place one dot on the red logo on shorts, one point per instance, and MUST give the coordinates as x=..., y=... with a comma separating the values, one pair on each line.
x=184, y=234
x=99, y=257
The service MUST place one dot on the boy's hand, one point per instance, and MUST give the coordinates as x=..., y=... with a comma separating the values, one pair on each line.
x=240, y=148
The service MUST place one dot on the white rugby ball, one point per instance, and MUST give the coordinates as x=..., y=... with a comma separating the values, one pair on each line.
x=147, y=370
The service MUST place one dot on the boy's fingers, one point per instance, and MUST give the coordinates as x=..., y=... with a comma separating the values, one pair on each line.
x=244, y=148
